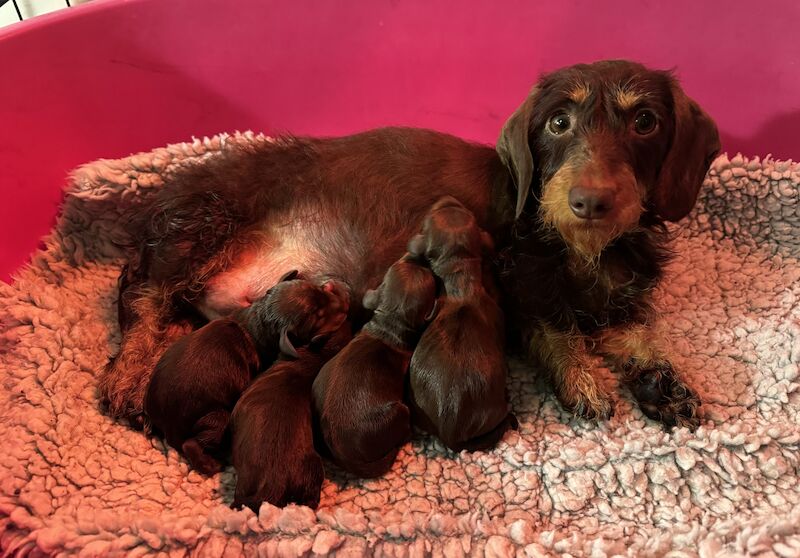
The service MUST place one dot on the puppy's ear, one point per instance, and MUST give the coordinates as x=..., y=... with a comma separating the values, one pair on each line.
x=416, y=246
x=515, y=150
x=318, y=341
x=694, y=147
x=446, y=201
x=285, y=345
x=371, y=299
x=434, y=310
x=288, y=276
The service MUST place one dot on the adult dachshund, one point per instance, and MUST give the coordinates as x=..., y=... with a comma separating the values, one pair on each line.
x=576, y=194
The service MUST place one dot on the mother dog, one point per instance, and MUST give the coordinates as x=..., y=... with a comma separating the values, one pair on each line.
x=576, y=194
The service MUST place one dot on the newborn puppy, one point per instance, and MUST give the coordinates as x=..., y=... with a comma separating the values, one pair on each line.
x=457, y=378
x=358, y=395
x=199, y=378
x=271, y=426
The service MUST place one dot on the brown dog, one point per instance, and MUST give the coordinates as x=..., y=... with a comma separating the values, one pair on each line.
x=198, y=380
x=610, y=151
x=575, y=196
x=271, y=428
x=457, y=379
x=358, y=395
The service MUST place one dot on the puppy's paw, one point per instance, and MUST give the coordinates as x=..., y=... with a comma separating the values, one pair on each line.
x=199, y=460
x=664, y=397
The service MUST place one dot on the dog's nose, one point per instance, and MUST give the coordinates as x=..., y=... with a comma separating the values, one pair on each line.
x=590, y=203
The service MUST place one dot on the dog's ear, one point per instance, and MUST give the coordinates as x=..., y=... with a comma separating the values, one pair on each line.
x=288, y=276
x=371, y=299
x=416, y=246
x=285, y=344
x=694, y=147
x=514, y=148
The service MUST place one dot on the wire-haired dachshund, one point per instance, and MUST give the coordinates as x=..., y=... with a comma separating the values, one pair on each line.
x=271, y=430
x=457, y=378
x=584, y=176
x=199, y=378
x=358, y=395
x=602, y=156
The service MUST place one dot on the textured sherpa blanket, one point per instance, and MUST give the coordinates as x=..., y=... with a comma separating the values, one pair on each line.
x=74, y=481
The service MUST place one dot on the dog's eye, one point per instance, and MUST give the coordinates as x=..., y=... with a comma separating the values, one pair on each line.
x=645, y=122
x=559, y=123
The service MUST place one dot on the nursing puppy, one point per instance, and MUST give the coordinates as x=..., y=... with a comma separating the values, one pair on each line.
x=199, y=378
x=358, y=395
x=271, y=428
x=585, y=174
x=457, y=379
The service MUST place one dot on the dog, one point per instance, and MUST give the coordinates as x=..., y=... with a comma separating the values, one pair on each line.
x=457, y=377
x=200, y=377
x=271, y=428
x=358, y=395
x=575, y=195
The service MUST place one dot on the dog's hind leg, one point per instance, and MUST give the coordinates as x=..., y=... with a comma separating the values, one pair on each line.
x=563, y=354
x=153, y=327
x=660, y=392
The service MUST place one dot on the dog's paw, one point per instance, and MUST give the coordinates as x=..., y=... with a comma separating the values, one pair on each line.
x=664, y=397
x=596, y=408
x=585, y=399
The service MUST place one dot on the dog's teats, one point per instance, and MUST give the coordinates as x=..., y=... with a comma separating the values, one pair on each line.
x=199, y=378
x=457, y=379
x=271, y=430
x=358, y=395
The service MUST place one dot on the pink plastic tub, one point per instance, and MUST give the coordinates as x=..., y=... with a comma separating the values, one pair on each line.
x=118, y=76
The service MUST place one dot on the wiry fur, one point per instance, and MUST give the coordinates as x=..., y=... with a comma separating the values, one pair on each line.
x=574, y=278
x=347, y=206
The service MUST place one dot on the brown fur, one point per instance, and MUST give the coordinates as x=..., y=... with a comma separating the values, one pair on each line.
x=574, y=277
x=271, y=430
x=363, y=196
x=358, y=395
x=457, y=379
x=200, y=377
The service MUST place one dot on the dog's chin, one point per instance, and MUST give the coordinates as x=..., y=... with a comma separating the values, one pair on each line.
x=588, y=239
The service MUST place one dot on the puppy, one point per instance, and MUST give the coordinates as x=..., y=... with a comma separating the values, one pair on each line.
x=271, y=427
x=199, y=378
x=585, y=174
x=457, y=380
x=358, y=395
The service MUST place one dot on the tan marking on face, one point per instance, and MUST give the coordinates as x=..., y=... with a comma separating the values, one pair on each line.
x=627, y=98
x=587, y=240
x=579, y=93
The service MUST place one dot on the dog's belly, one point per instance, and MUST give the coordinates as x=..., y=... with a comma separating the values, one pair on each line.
x=320, y=250
x=254, y=270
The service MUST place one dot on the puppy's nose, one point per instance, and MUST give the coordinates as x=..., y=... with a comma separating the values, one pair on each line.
x=590, y=203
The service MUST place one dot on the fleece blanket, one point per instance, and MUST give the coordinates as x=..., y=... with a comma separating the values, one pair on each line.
x=72, y=481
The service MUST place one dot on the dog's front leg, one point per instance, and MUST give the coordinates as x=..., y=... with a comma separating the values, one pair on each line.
x=564, y=355
x=660, y=392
